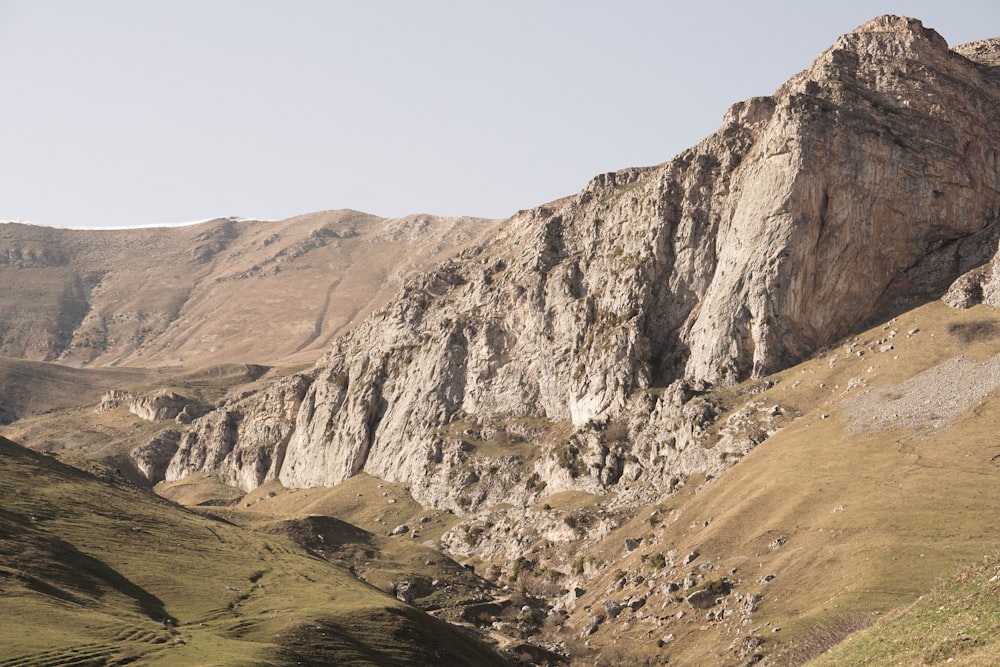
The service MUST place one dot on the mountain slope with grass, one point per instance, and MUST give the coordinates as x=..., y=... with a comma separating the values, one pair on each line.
x=880, y=488
x=97, y=571
x=222, y=291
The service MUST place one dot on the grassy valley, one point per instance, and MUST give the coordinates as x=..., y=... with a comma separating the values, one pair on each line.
x=97, y=571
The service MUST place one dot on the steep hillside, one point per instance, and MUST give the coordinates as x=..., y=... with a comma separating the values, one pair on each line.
x=882, y=486
x=95, y=571
x=226, y=290
x=954, y=624
x=864, y=186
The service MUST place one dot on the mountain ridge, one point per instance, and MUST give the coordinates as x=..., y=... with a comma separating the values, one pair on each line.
x=209, y=292
x=866, y=184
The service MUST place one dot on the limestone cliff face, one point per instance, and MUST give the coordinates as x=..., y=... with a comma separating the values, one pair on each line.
x=866, y=182
x=244, y=440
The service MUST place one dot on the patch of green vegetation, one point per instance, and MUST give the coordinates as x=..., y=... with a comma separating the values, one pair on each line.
x=717, y=586
x=955, y=623
x=617, y=194
x=567, y=454
x=520, y=566
x=95, y=570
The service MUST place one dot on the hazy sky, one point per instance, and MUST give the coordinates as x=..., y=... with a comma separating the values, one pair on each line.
x=139, y=112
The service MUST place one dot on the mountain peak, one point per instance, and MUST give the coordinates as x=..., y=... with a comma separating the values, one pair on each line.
x=890, y=23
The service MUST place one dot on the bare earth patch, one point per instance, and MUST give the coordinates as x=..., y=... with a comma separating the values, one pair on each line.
x=930, y=399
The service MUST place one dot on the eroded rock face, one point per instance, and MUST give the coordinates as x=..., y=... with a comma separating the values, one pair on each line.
x=865, y=183
x=162, y=405
x=153, y=407
x=244, y=440
x=152, y=458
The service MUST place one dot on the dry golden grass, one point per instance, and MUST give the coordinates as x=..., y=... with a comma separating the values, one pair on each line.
x=871, y=521
x=215, y=292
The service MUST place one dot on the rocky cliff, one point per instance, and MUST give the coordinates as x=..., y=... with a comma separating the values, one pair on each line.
x=575, y=347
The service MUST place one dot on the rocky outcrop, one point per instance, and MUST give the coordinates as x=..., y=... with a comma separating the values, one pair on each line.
x=864, y=184
x=244, y=440
x=153, y=407
x=152, y=458
x=164, y=404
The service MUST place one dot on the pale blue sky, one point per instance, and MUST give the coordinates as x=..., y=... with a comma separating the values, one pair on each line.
x=139, y=112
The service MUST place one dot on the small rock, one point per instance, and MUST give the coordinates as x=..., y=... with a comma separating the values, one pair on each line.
x=404, y=592
x=400, y=530
x=613, y=608
x=637, y=604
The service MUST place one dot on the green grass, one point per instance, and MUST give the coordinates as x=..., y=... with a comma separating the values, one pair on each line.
x=360, y=506
x=955, y=623
x=93, y=566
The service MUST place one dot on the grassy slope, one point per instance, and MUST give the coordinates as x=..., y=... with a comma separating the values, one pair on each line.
x=954, y=624
x=872, y=521
x=374, y=507
x=95, y=567
x=29, y=388
x=70, y=424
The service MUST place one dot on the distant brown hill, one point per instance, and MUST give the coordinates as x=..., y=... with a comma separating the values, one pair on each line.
x=226, y=290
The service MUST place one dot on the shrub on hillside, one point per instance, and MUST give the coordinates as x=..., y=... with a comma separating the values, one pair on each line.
x=970, y=332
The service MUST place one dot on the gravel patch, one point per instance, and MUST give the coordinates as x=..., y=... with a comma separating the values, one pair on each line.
x=930, y=399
